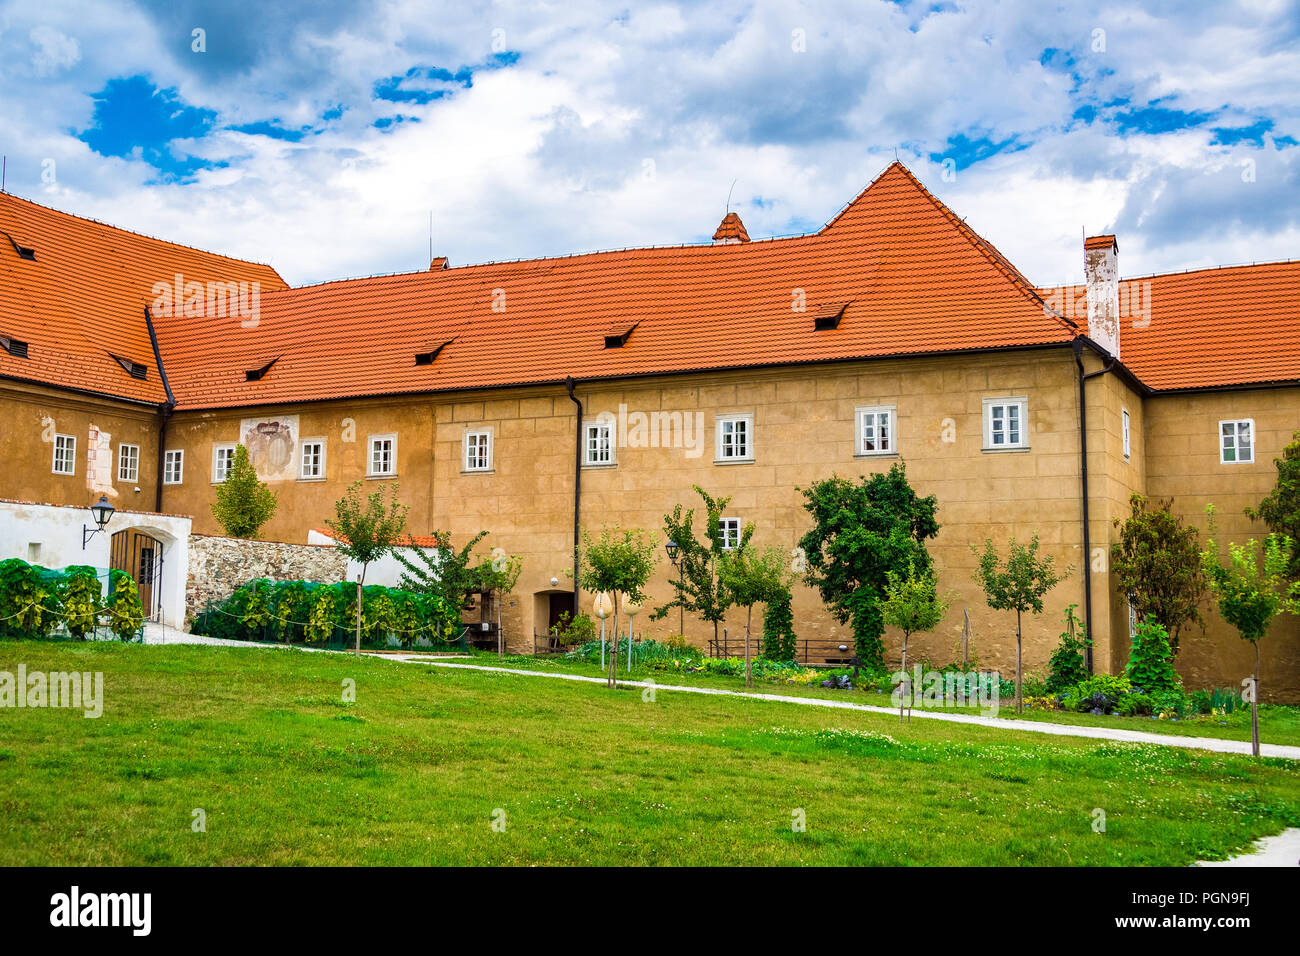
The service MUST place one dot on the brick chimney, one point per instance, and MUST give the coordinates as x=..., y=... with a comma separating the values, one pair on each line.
x=1101, y=276
x=731, y=229
x=438, y=263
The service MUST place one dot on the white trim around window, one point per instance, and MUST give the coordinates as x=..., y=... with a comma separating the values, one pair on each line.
x=223, y=459
x=734, y=439
x=599, y=444
x=381, y=456
x=311, y=459
x=877, y=431
x=64, y=461
x=477, y=451
x=1006, y=424
x=173, y=467
x=128, y=462
x=1237, y=441
x=729, y=531
x=1126, y=432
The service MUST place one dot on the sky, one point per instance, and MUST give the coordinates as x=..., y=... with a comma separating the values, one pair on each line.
x=324, y=138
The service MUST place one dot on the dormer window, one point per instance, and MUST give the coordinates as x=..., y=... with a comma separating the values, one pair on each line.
x=617, y=340
x=134, y=369
x=256, y=374
x=14, y=347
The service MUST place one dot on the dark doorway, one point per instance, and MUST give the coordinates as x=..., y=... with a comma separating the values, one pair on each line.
x=559, y=604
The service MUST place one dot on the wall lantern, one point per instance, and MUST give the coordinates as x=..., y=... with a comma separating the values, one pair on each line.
x=671, y=548
x=103, y=512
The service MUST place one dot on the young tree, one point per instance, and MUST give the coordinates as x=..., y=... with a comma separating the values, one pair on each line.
x=1280, y=511
x=912, y=603
x=696, y=584
x=366, y=530
x=1067, y=665
x=753, y=578
x=861, y=531
x=244, y=503
x=1018, y=586
x=1157, y=563
x=1251, y=594
x=779, y=640
x=499, y=575
x=442, y=570
x=618, y=563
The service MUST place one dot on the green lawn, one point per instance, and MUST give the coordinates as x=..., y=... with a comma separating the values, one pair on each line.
x=413, y=772
x=1278, y=724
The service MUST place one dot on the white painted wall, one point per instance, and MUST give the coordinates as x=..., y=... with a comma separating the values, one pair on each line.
x=50, y=535
x=386, y=571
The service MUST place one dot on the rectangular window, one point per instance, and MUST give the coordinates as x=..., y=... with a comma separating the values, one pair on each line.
x=735, y=438
x=729, y=532
x=1004, y=424
x=128, y=462
x=1237, y=441
x=598, y=446
x=383, y=456
x=223, y=457
x=1124, y=428
x=65, y=454
x=876, y=434
x=312, y=458
x=478, y=451
x=173, y=467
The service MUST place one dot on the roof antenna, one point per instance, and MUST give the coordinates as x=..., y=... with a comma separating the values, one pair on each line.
x=430, y=235
x=4, y=170
x=733, y=186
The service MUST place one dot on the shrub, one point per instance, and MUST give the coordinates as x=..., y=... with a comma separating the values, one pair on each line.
x=28, y=599
x=1099, y=694
x=1067, y=665
x=576, y=629
x=123, y=611
x=779, y=641
x=80, y=597
x=1151, y=662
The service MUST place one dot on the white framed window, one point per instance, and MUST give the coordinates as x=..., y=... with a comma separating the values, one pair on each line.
x=128, y=462
x=729, y=532
x=478, y=450
x=735, y=438
x=1126, y=433
x=877, y=430
x=598, y=443
x=311, y=458
x=173, y=467
x=65, y=455
x=382, y=460
x=223, y=459
x=1237, y=441
x=1005, y=424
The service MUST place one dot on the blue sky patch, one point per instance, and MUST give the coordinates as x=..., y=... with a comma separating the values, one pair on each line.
x=131, y=114
x=966, y=151
x=1253, y=134
x=268, y=128
x=1155, y=119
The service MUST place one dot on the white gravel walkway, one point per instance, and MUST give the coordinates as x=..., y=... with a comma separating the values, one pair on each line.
x=1280, y=850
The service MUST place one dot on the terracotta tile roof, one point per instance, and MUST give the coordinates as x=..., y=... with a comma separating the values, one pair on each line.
x=1238, y=325
x=82, y=299
x=1100, y=242
x=731, y=229
x=915, y=278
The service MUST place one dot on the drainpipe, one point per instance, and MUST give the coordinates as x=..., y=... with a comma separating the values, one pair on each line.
x=577, y=487
x=1077, y=347
x=164, y=410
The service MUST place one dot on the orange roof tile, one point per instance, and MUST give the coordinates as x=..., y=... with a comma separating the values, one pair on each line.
x=1100, y=242
x=82, y=299
x=917, y=278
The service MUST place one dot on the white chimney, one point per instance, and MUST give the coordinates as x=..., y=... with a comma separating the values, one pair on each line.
x=1101, y=275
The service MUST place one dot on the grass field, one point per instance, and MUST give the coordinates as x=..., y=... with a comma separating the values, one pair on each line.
x=1278, y=724
x=417, y=769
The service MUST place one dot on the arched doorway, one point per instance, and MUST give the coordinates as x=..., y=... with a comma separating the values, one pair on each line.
x=140, y=555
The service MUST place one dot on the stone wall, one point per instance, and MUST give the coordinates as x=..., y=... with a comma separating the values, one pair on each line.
x=219, y=565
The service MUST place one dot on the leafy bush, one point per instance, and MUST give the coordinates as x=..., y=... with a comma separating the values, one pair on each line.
x=779, y=641
x=1067, y=665
x=575, y=629
x=1099, y=694
x=1151, y=662
x=35, y=600
x=124, y=614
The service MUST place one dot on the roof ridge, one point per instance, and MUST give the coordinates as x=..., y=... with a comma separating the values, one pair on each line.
x=143, y=235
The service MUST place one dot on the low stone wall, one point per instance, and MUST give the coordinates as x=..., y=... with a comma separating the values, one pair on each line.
x=219, y=565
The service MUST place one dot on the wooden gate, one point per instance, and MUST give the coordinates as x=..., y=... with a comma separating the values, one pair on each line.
x=140, y=555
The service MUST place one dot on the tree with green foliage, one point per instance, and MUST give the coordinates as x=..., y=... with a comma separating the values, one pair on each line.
x=244, y=503
x=1068, y=664
x=80, y=596
x=752, y=577
x=696, y=585
x=618, y=563
x=1151, y=660
x=1251, y=595
x=367, y=528
x=1280, y=511
x=443, y=571
x=779, y=640
x=861, y=531
x=1157, y=564
x=1018, y=585
x=498, y=576
x=123, y=609
x=912, y=603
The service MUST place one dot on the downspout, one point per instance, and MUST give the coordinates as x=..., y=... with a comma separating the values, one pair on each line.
x=164, y=410
x=1077, y=347
x=577, y=487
